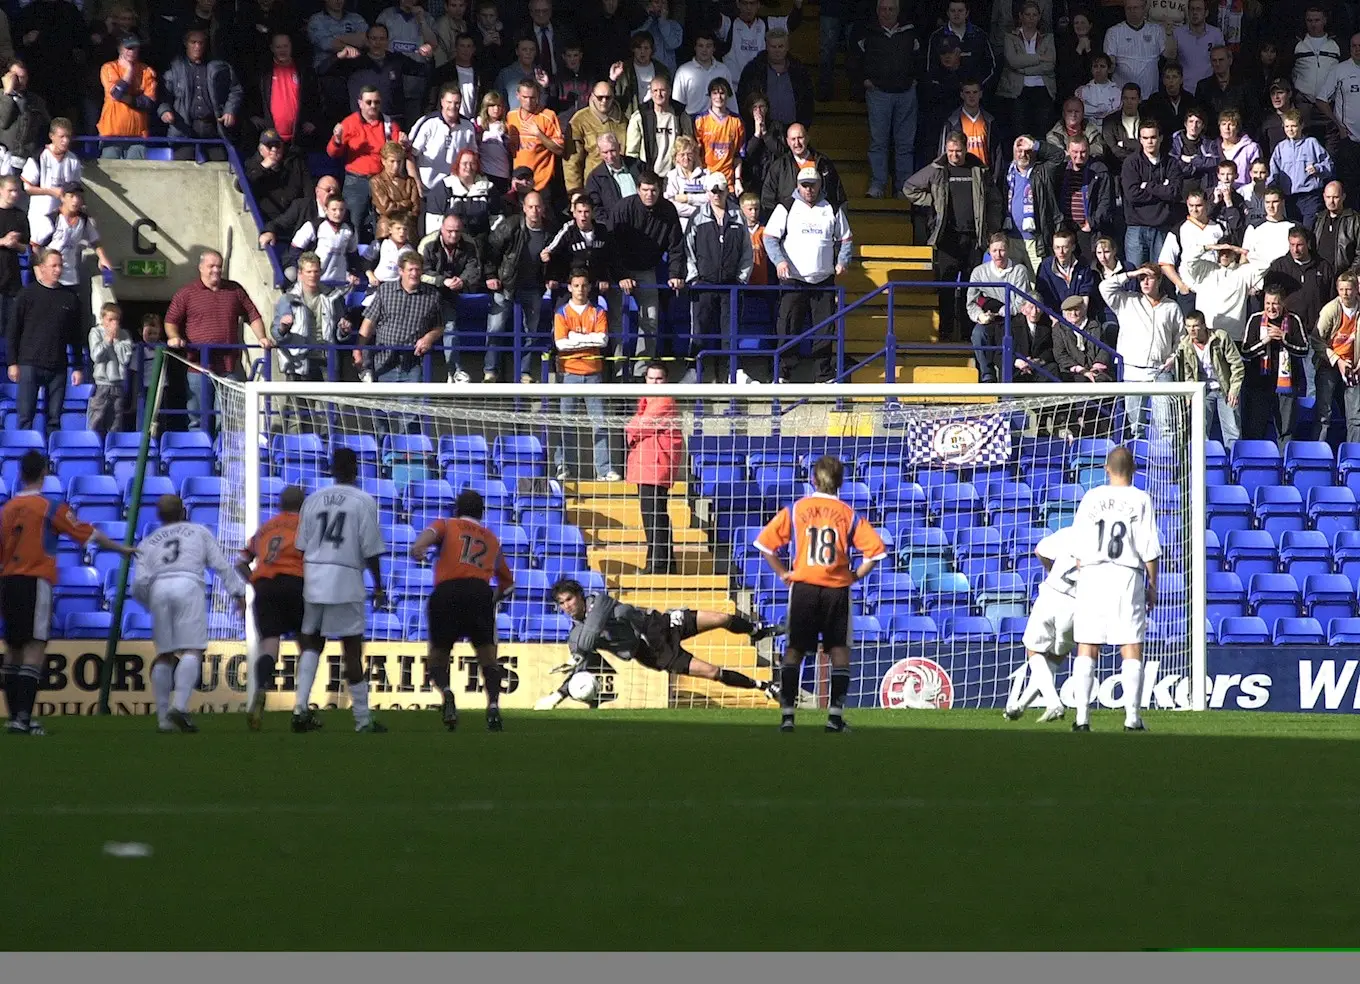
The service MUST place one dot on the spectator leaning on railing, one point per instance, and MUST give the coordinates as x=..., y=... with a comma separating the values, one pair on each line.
x=200, y=98
x=646, y=227
x=452, y=267
x=1207, y=355
x=515, y=276
x=300, y=212
x=309, y=314
x=404, y=321
x=129, y=99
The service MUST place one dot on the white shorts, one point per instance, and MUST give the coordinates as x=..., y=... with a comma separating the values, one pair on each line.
x=1111, y=608
x=1049, y=629
x=179, y=615
x=333, y=621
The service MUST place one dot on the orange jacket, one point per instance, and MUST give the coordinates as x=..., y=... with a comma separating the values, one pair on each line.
x=120, y=116
x=580, y=339
x=656, y=444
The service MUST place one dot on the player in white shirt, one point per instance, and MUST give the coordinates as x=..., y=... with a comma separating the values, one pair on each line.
x=169, y=583
x=1048, y=633
x=1115, y=541
x=338, y=536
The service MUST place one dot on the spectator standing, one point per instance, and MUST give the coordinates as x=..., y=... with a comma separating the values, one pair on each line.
x=1029, y=78
x=1336, y=230
x=1269, y=240
x=693, y=78
x=764, y=142
x=14, y=242
x=1308, y=281
x=634, y=85
x=614, y=179
x=1234, y=145
x=988, y=299
x=1030, y=190
x=587, y=126
x=334, y=243
x=1254, y=193
x=468, y=194
x=357, y=141
x=448, y=27
x=493, y=147
x=1119, y=132
x=284, y=96
x=1134, y=46
x=1186, y=244
x=1334, y=352
x=609, y=25
x=1153, y=185
x=412, y=36
x=747, y=35
x=1195, y=41
x=451, y=267
x=976, y=58
x=783, y=79
x=1169, y=104
x=129, y=100
x=810, y=243
x=667, y=35
x=1073, y=123
x=646, y=228
x=1149, y=330
x=656, y=450
x=965, y=210
x=1273, y=350
x=1282, y=101
x=1207, y=355
x=110, y=348
x=1226, y=205
x=685, y=185
x=251, y=37
x=534, y=135
x=523, y=67
x=581, y=335
x=24, y=119
x=438, y=138
x=887, y=57
x=52, y=38
x=276, y=175
x=375, y=65
x=45, y=175
x=1339, y=101
x=515, y=277
x=721, y=134
x=1315, y=56
x=331, y=30
x=1085, y=195
x=71, y=233
x=1221, y=92
x=46, y=321
x=462, y=73
x=552, y=35
x=937, y=96
x=1301, y=168
x=200, y=98
x=208, y=312
x=405, y=322
x=718, y=252
x=780, y=183
x=1102, y=97
x=1076, y=47
x=393, y=190
x=1224, y=279
x=308, y=316
x=976, y=124
x=490, y=36
x=655, y=126
x=1194, y=149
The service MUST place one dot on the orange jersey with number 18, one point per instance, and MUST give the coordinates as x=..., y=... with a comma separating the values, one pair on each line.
x=467, y=549
x=820, y=531
x=274, y=549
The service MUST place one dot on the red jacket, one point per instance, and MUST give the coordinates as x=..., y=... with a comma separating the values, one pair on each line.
x=656, y=444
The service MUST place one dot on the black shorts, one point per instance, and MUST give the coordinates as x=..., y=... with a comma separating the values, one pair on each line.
x=818, y=614
x=662, y=634
x=278, y=606
x=26, y=604
x=462, y=609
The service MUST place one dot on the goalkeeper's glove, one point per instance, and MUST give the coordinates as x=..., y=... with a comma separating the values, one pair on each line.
x=571, y=665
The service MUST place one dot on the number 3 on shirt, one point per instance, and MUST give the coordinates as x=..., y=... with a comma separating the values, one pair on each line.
x=823, y=546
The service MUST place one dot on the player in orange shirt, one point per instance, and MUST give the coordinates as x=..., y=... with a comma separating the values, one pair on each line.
x=820, y=530
x=721, y=135
x=29, y=524
x=463, y=604
x=277, y=580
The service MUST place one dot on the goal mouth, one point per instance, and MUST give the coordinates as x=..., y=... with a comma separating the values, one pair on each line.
x=960, y=480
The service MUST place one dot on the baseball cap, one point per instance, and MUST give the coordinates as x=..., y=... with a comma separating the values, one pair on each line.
x=808, y=175
x=1073, y=303
x=715, y=180
x=73, y=188
x=1281, y=85
x=950, y=44
x=271, y=138
x=130, y=42
x=522, y=174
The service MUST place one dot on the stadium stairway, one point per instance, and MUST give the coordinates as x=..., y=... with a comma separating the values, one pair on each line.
x=883, y=240
x=610, y=516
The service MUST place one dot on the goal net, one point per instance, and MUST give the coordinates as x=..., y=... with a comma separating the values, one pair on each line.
x=659, y=503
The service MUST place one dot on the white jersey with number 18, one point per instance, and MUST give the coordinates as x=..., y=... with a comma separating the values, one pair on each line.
x=1117, y=525
x=338, y=533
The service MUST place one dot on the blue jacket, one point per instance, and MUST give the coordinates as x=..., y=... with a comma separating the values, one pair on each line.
x=1053, y=289
x=1289, y=162
x=223, y=89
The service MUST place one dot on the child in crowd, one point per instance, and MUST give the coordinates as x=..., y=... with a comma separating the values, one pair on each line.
x=111, y=357
x=721, y=135
x=333, y=239
x=386, y=254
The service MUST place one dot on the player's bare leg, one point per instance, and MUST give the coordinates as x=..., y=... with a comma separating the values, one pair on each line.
x=309, y=657
x=352, y=648
x=840, y=688
x=492, y=675
x=738, y=624
x=23, y=689
x=730, y=678
x=1042, y=669
x=1131, y=673
x=188, y=675
x=440, y=663
x=266, y=659
x=1083, y=679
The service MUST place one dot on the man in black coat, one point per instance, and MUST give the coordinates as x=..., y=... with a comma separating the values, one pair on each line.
x=614, y=179
x=46, y=320
x=781, y=177
x=277, y=176
x=646, y=227
x=782, y=79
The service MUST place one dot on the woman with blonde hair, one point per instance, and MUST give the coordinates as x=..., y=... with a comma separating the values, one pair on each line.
x=393, y=189
x=685, y=183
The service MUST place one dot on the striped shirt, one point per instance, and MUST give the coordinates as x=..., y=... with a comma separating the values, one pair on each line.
x=400, y=318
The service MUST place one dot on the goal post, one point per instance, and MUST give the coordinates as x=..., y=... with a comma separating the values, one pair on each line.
x=961, y=480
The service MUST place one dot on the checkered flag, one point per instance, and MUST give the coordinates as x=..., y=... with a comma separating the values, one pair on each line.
x=976, y=441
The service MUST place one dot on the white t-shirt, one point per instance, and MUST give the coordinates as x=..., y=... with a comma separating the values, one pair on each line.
x=333, y=244
x=338, y=533
x=690, y=88
x=182, y=550
x=46, y=171
x=810, y=235
x=1187, y=244
x=467, y=88
x=1062, y=575
x=1032, y=48
x=71, y=241
x=1099, y=99
x=1341, y=88
x=1206, y=365
x=1193, y=52
x=1117, y=525
x=435, y=145
x=1135, y=54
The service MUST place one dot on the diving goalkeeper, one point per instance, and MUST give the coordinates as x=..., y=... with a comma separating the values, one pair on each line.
x=652, y=638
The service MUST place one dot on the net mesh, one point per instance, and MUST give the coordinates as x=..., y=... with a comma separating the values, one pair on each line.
x=961, y=489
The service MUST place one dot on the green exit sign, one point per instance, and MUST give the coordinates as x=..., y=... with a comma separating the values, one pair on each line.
x=145, y=268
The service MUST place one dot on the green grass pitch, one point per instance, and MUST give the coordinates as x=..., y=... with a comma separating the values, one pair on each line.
x=685, y=830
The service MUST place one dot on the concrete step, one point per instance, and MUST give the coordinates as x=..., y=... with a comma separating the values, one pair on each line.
x=633, y=535
x=709, y=601
x=623, y=561
x=603, y=490
x=942, y=368
x=627, y=513
x=665, y=582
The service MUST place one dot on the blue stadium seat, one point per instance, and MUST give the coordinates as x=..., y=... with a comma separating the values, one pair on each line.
x=1011, y=630
x=78, y=397
x=913, y=628
x=1243, y=631
x=87, y=625
x=1343, y=632
x=365, y=448
x=869, y=631
x=544, y=628
x=857, y=496
x=1298, y=632
x=399, y=539
x=1272, y=596
x=946, y=595
x=1279, y=508
x=1346, y=554
x=153, y=487
x=954, y=507
x=298, y=457
x=1001, y=588
x=385, y=627
x=1331, y=510
x=922, y=551
x=121, y=449
x=519, y=456
x=11, y=422
x=896, y=590
x=136, y=625
x=516, y=547
x=1005, y=496
x=969, y=628
x=883, y=480
x=1224, y=596
x=541, y=496
x=560, y=549
x=771, y=473
x=1060, y=503
x=414, y=621
x=271, y=491
x=1328, y=596
x=1213, y=550
x=742, y=544
x=495, y=499
x=1022, y=541
x=1348, y=465
x=76, y=453
x=933, y=478
x=979, y=543
x=187, y=454
x=202, y=497
x=906, y=504
x=533, y=588
x=1306, y=549
x=1088, y=451
x=78, y=589
x=14, y=444
x=1251, y=552
x=384, y=492
x=464, y=449
x=1227, y=508
x=406, y=457
x=426, y=501
x=1256, y=463
x=408, y=581
x=96, y=498
x=1308, y=464
x=1215, y=463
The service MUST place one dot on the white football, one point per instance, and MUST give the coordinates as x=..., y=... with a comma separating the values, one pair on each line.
x=583, y=686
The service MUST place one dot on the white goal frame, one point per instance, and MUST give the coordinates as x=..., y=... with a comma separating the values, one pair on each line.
x=258, y=390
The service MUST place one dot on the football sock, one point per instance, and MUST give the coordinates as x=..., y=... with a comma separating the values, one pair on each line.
x=162, y=682
x=788, y=689
x=1083, y=672
x=11, y=680
x=440, y=674
x=840, y=686
x=491, y=678
x=358, y=696
x=1041, y=681
x=187, y=677
x=306, y=674
x=27, y=691
x=1132, y=675
x=734, y=679
x=741, y=625
x=264, y=671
